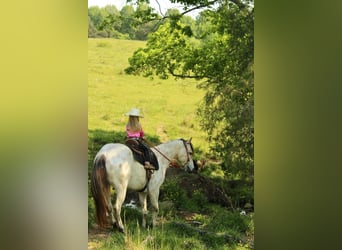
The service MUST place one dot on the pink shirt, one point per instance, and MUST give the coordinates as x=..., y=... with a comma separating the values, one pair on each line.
x=138, y=134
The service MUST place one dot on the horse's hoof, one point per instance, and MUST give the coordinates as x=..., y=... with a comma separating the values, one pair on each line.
x=117, y=228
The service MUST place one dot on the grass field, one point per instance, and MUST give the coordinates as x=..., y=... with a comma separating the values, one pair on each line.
x=169, y=107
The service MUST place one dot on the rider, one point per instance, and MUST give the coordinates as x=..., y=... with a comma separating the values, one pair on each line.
x=134, y=131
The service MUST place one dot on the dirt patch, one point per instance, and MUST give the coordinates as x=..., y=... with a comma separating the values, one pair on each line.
x=211, y=190
x=228, y=194
x=96, y=237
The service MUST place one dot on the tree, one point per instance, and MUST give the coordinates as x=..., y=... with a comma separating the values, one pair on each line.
x=145, y=26
x=128, y=21
x=91, y=28
x=96, y=16
x=110, y=10
x=228, y=108
x=97, y=20
x=111, y=23
x=220, y=54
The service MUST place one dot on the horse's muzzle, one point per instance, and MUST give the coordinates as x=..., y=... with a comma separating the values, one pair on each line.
x=194, y=169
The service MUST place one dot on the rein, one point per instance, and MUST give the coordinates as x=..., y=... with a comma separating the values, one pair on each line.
x=173, y=163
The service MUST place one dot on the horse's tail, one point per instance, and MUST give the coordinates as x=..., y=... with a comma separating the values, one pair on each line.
x=100, y=189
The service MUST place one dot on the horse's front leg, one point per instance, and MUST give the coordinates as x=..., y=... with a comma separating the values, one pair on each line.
x=143, y=204
x=154, y=194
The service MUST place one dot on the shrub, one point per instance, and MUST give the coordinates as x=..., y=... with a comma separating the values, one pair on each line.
x=101, y=33
x=173, y=192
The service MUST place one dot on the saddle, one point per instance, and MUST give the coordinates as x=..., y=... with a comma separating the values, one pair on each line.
x=138, y=152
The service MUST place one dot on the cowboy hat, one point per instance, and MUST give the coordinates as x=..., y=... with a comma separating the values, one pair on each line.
x=134, y=112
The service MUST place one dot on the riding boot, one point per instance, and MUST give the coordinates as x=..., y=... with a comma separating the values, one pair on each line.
x=148, y=166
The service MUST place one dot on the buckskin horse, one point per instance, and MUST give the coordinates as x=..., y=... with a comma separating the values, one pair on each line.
x=114, y=165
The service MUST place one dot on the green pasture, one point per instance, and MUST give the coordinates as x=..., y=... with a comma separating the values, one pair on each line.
x=169, y=106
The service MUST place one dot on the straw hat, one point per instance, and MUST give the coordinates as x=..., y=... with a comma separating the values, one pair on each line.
x=134, y=112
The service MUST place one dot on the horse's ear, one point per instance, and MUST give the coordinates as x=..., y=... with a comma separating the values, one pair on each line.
x=190, y=139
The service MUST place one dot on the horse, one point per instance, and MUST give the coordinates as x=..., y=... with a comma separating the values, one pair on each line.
x=114, y=165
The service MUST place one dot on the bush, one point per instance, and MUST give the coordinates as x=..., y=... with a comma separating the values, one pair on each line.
x=172, y=192
x=116, y=34
x=101, y=34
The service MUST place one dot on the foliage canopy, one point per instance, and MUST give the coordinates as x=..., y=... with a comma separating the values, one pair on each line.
x=218, y=51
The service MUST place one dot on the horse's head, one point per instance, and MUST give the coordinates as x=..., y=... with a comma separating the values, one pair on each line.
x=190, y=165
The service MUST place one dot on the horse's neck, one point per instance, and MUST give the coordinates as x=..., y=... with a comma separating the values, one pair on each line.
x=169, y=149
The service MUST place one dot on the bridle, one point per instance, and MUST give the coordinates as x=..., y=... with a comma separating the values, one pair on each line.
x=174, y=164
x=186, y=148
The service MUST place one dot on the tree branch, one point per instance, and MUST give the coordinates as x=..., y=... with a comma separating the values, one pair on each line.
x=181, y=14
x=159, y=7
x=183, y=76
x=199, y=7
x=240, y=4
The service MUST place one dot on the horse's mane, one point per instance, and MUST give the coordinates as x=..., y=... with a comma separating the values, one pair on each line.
x=180, y=139
x=171, y=141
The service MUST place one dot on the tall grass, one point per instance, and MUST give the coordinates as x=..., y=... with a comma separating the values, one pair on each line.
x=221, y=231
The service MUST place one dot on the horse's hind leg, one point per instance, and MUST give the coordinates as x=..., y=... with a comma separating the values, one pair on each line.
x=120, y=197
x=143, y=204
x=110, y=209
